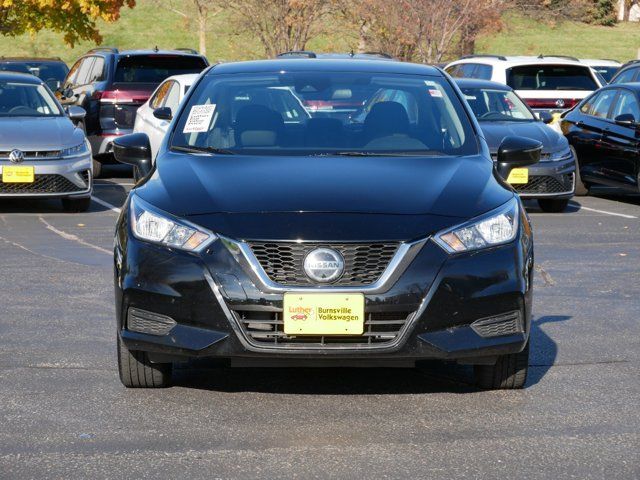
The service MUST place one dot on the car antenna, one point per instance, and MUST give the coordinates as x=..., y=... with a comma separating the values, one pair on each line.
x=155, y=49
x=352, y=54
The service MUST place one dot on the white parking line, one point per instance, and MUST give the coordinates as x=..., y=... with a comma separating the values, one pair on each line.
x=602, y=211
x=105, y=204
x=73, y=238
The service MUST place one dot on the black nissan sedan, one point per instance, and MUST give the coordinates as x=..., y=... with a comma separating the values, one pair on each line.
x=263, y=236
x=501, y=112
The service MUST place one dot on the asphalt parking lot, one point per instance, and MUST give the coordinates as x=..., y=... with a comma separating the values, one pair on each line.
x=64, y=413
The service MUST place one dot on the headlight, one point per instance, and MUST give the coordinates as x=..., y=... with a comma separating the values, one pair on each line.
x=494, y=228
x=78, y=150
x=561, y=155
x=152, y=225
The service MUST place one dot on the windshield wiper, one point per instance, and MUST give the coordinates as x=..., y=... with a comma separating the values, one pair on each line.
x=197, y=149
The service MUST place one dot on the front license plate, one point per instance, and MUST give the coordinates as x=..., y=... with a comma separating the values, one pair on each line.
x=518, y=176
x=22, y=174
x=323, y=314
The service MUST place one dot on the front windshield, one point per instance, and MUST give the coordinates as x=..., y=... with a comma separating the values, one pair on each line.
x=493, y=105
x=26, y=100
x=319, y=113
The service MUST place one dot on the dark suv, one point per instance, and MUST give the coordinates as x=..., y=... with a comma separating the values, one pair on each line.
x=629, y=72
x=110, y=85
x=51, y=71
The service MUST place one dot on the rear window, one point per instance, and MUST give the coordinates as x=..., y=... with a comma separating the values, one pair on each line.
x=155, y=68
x=45, y=71
x=551, y=77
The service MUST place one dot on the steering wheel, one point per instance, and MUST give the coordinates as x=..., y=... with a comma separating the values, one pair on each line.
x=22, y=109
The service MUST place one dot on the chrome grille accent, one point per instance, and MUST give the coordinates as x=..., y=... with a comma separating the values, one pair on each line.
x=34, y=155
x=547, y=184
x=44, y=183
x=283, y=261
x=267, y=329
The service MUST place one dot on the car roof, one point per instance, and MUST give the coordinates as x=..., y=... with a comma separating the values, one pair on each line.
x=635, y=86
x=31, y=59
x=476, y=83
x=148, y=51
x=512, y=61
x=185, y=78
x=602, y=62
x=324, y=64
x=19, y=77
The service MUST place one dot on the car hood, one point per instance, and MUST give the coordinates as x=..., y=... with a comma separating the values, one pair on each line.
x=494, y=132
x=38, y=133
x=198, y=185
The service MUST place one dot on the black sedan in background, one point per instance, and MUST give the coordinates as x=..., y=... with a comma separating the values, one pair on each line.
x=263, y=237
x=51, y=71
x=501, y=113
x=604, y=129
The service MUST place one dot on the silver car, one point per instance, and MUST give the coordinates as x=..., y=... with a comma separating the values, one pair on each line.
x=42, y=152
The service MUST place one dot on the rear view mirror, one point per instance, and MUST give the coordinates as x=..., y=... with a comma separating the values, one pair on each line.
x=545, y=117
x=76, y=114
x=517, y=152
x=626, y=120
x=134, y=149
x=163, y=113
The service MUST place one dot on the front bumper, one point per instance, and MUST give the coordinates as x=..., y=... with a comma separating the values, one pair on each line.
x=211, y=299
x=550, y=179
x=54, y=178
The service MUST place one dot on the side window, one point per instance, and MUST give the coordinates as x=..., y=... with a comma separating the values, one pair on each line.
x=158, y=98
x=173, y=97
x=626, y=104
x=97, y=72
x=626, y=76
x=483, y=72
x=454, y=71
x=84, y=71
x=467, y=70
x=602, y=103
x=73, y=73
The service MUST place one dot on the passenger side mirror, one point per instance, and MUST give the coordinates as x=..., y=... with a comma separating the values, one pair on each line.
x=517, y=152
x=545, y=117
x=134, y=149
x=163, y=113
x=626, y=120
x=76, y=114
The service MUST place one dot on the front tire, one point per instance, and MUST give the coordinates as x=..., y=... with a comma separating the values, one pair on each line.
x=508, y=373
x=97, y=168
x=76, y=205
x=553, y=205
x=137, y=371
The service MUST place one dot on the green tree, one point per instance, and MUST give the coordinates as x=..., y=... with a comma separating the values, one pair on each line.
x=75, y=18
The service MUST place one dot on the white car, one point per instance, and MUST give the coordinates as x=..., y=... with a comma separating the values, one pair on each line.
x=604, y=67
x=169, y=94
x=550, y=84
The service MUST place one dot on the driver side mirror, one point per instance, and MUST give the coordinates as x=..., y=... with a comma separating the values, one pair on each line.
x=134, y=149
x=626, y=120
x=545, y=117
x=163, y=113
x=515, y=152
x=76, y=114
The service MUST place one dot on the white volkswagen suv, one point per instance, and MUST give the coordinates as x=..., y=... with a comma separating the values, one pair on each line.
x=551, y=84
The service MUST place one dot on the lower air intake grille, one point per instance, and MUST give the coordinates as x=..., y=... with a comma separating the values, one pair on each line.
x=283, y=262
x=547, y=184
x=267, y=329
x=505, y=324
x=44, y=183
x=147, y=322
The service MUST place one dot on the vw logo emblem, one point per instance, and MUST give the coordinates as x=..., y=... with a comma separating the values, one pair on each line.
x=16, y=156
x=560, y=103
x=323, y=265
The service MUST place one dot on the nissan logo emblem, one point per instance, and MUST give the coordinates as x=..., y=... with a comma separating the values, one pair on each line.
x=16, y=156
x=323, y=265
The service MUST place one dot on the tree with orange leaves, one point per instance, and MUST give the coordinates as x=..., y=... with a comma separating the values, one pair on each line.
x=76, y=18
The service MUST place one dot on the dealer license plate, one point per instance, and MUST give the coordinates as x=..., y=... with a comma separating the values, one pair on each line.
x=518, y=176
x=21, y=174
x=323, y=314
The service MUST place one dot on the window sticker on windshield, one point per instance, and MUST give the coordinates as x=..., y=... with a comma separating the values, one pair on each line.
x=199, y=118
x=434, y=92
x=470, y=97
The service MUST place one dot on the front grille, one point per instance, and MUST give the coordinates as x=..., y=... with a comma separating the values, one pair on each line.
x=547, y=184
x=44, y=183
x=267, y=329
x=33, y=155
x=497, y=326
x=363, y=263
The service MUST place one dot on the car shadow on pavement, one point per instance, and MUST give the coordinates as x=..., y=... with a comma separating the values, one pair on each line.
x=544, y=350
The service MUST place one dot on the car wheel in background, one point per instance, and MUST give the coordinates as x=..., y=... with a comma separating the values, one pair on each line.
x=76, y=205
x=581, y=189
x=137, y=371
x=509, y=372
x=553, y=205
x=97, y=168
